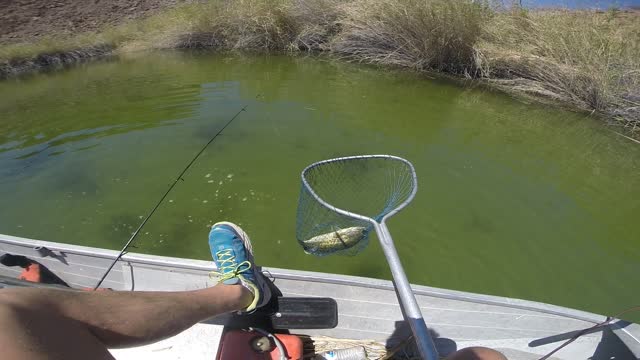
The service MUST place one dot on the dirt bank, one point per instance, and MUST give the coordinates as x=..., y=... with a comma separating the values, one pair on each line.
x=28, y=20
x=53, y=61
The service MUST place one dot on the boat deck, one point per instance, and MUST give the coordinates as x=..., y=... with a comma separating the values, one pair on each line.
x=368, y=308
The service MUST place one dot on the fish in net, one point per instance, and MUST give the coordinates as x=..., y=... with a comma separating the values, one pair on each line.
x=341, y=199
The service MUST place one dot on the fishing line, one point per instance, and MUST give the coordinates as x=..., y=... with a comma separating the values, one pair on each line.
x=135, y=233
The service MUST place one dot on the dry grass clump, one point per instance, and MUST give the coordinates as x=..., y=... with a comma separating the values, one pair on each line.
x=585, y=59
x=423, y=35
x=255, y=25
x=318, y=23
x=251, y=25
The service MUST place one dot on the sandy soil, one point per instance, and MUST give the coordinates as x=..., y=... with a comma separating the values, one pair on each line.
x=27, y=20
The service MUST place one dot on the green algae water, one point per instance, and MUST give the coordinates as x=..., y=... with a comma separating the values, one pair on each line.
x=514, y=199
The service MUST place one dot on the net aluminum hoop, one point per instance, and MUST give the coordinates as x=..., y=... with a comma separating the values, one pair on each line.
x=414, y=178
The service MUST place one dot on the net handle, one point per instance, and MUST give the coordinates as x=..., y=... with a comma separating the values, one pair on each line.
x=402, y=205
x=408, y=303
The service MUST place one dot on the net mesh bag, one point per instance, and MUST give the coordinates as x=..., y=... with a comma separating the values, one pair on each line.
x=341, y=198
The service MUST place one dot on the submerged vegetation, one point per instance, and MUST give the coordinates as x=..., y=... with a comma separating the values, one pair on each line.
x=584, y=59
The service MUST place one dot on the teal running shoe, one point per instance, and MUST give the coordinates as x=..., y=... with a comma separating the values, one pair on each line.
x=233, y=255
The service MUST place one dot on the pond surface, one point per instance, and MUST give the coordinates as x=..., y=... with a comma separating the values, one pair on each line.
x=515, y=199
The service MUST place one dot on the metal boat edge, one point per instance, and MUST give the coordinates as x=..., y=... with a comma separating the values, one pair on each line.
x=628, y=333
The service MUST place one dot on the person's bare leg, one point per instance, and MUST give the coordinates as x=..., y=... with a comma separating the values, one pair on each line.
x=37, y=320
x=49, y=324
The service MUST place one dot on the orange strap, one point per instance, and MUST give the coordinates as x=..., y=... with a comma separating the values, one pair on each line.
x=31, y=273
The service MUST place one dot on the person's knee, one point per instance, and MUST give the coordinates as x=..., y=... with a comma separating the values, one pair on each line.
x=18, y=305
x=8, y=311
x=476, y=353
x=22, y=298
x=8, y=297
x=13, y=306
x=13, y=318
x=33, y=331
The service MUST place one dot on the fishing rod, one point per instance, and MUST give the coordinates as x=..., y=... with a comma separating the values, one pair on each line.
x=135, y=233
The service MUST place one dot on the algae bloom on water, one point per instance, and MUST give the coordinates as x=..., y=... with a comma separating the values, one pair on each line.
x=335, y=241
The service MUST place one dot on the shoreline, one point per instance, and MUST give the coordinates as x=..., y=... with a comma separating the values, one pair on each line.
x=578, y=59
x=53, y=61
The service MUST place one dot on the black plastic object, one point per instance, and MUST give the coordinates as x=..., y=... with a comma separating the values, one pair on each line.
x=283, y=313
x=15, y=260
x=305, y=313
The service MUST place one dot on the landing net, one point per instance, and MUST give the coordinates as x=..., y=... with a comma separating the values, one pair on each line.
x=341, y=198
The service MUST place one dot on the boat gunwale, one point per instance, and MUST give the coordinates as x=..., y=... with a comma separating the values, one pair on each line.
x=628, y=332
x=318, y=277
